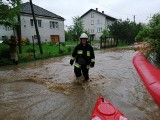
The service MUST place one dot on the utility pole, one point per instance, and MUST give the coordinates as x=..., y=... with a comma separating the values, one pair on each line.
x=36, y=28
x=19, y=34
x=134, y=18
x=18, y=28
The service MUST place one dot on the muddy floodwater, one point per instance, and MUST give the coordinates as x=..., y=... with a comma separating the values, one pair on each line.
x=48, y=90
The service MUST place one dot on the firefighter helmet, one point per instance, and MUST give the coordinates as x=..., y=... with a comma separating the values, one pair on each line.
x=84, y=35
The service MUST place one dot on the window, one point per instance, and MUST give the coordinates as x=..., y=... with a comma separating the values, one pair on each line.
x=92, y=22
x=88, y=30
x=53, y=24
x=31, y=22
x=92, y=31
x=39, y=22
x=7, y=28
x=92, y=15
x=99, y=30
x=99, y=22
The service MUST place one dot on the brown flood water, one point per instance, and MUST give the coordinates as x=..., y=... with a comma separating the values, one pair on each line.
x=47, y=89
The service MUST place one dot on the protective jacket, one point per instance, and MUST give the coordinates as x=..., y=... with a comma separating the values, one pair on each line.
x=83, y=55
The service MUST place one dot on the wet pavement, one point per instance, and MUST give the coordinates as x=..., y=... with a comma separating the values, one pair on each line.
x=48, y=90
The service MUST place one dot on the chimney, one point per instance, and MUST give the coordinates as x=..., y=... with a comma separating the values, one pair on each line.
x=103, y=12
x=96, y=9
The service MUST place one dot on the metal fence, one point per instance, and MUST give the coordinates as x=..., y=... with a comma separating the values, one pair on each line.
x=106, y=42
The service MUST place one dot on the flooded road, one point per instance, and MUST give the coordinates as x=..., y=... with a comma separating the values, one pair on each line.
x=47, y=89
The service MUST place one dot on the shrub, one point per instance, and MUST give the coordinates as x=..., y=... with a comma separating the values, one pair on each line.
x=142, y=35
x=154, y=37
x=4, y=51
x=69, y=49
x=63, y=44
x=49, y=43
x=28, y=41
x=5, y=40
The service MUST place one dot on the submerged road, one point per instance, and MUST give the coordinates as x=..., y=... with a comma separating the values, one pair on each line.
x=47, y=89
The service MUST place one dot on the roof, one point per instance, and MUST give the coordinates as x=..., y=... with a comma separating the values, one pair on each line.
x=107, y=16
x=26, y=9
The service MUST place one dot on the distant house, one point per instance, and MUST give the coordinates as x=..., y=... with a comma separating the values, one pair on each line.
x=95, y=22
x=50, y=25
x=5, y=31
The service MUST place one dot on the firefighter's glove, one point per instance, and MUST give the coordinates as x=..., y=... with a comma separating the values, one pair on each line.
x=71, y=62
x=92, y=64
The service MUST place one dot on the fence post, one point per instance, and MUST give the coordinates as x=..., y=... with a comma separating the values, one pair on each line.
x=101, y=42
x=33, y=47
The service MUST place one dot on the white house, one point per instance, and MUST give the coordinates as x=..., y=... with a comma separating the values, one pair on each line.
x=95, y=22
x=50, y=25
x=5, y=31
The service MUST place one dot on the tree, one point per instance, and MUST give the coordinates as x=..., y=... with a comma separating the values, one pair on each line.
x=77, y=27
x=105, y=33
x=69, y=34
x=154, y=35
x=8, y=13
x=125, y=30
x=142, y=35
x=155, y=26
x=9, y=16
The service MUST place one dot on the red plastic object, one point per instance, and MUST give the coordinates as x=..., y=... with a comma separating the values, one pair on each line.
x=104, y=110
x=149, y=74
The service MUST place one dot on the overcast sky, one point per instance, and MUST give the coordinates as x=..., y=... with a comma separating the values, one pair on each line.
x=120, y=9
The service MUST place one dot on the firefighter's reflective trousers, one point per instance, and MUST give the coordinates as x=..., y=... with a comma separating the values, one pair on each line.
x=81, y=69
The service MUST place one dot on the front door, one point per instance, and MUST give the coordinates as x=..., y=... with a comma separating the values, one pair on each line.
x=54, y=38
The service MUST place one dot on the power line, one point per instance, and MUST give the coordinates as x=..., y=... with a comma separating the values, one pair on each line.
x=128, y=16
x=117, y=11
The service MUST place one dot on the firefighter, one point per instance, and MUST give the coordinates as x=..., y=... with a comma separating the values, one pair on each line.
x=84, y=57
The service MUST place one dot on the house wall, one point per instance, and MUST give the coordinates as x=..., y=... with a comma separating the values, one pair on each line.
x=45, y=31
x=100, y=23
x=5, y=31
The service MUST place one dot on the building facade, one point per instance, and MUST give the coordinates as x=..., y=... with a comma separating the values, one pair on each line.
x=95, y=22
x=5, y=31
x=50, y=25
